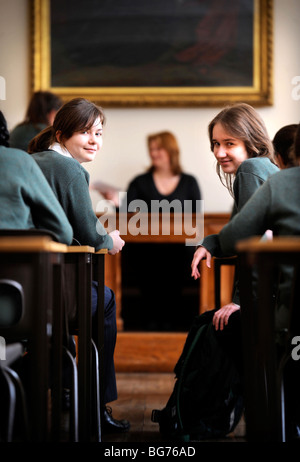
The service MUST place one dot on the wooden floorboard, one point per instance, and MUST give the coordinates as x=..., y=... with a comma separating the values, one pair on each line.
x=148, y=351
x=139, y=394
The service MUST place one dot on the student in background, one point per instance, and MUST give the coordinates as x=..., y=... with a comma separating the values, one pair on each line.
x=40, y=113
x=283, y=142
x=75, y=138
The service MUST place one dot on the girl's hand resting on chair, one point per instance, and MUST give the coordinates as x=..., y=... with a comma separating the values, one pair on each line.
x=199, y=254
x=220, y=319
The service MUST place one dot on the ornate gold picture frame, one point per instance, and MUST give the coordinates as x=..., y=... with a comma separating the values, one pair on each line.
x=192, y=54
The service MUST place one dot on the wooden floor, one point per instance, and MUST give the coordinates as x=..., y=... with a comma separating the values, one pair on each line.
x=139, y=394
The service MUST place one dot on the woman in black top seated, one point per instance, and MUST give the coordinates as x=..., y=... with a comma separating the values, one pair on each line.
x=163, y=188
x=165, y=178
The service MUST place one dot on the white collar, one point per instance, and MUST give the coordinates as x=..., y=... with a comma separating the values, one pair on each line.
x=58, y=148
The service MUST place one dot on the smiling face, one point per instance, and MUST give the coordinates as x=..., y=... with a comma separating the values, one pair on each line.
x=230, y=152
x=84, y=145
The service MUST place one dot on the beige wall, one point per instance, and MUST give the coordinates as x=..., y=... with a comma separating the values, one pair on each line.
x=124, y=152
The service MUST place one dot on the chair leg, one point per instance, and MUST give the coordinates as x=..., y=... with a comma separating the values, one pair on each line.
x=8, y=430
x=96, y=392
x=74, y=397
x=20, y=398
x=281, y=391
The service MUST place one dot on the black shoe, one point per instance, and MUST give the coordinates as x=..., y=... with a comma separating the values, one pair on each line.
x=111, y=425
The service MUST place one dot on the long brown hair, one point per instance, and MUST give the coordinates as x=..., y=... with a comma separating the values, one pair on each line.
x=167, y=141
x=75, y=115
x=40, y=105
x=244, y=123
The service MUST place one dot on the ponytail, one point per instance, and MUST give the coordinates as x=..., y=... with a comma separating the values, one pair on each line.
x=42, y=141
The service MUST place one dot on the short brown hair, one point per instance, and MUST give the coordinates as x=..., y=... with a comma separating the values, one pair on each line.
x=283, y=143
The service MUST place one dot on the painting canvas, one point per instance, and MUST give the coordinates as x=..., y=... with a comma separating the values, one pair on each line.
x=157, y=53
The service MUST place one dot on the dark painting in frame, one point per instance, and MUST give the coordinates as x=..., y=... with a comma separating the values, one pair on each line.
x=131, y=53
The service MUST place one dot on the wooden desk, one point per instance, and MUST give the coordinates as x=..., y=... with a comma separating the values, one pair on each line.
x=32, y=261
x=78, y=275
x=99, y=276
x=83, y=265
x=38, y=263
x=263, y=366
x=140, y=351
x=24, y=244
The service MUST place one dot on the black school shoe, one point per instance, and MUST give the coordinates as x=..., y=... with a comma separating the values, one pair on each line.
x=111, y=425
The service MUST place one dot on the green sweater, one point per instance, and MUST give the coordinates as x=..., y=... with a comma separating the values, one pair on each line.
x=23, y=133
x=70, y=183
x=275, y=206
x=251, y=174
x=26, y=200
